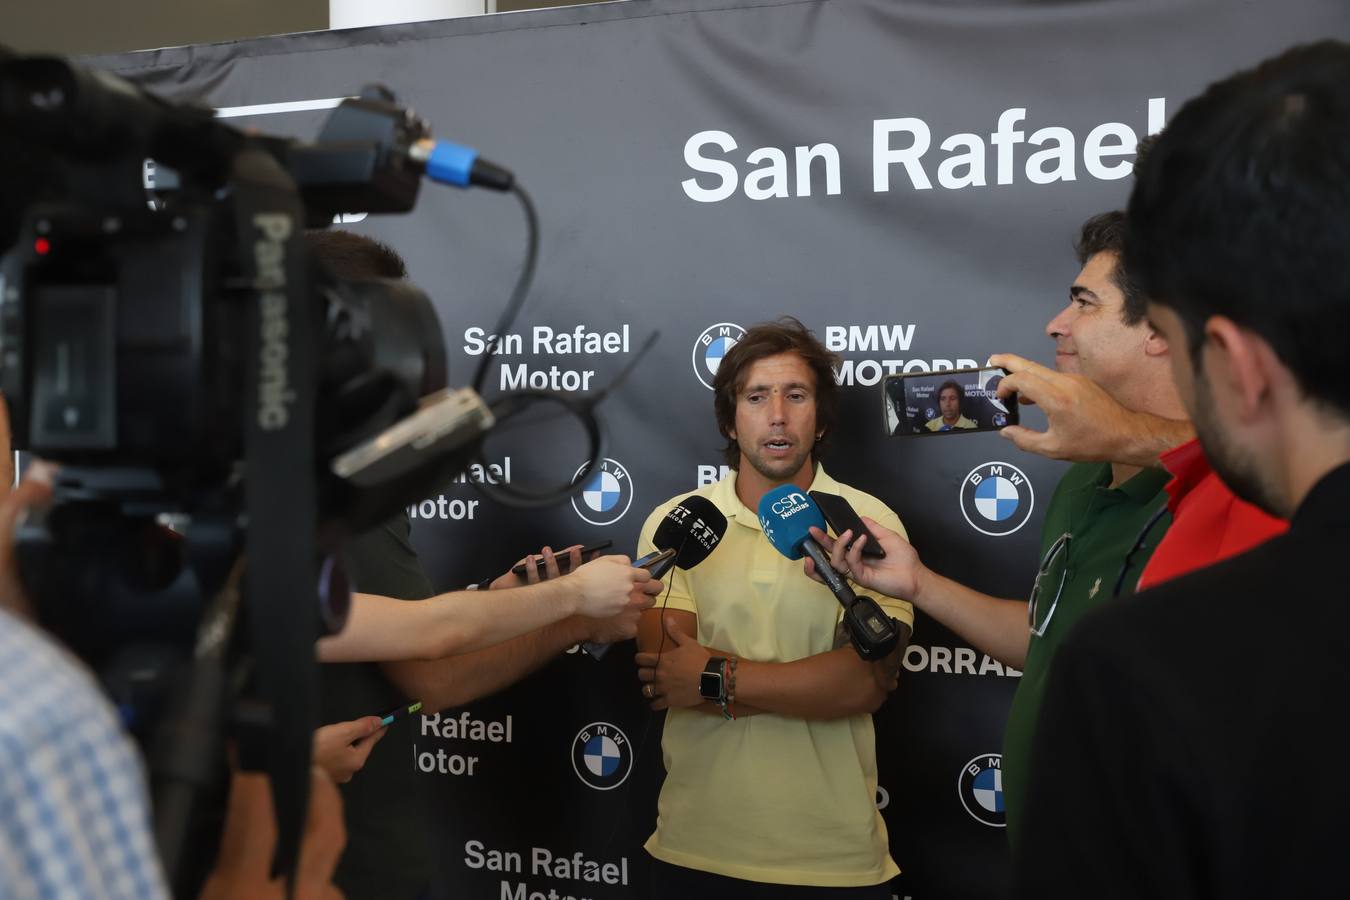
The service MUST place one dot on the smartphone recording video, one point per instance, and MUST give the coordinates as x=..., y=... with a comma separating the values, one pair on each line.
x=957, y=401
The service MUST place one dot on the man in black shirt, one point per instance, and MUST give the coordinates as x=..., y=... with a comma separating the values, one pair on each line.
x=1190, y=736
x=388, y=835
x=390, y=825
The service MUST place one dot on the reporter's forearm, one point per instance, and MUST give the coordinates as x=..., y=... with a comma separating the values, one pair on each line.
x=382, y=629
x=990, y=624
x=463, y=678
x=512, y=612
x=1151, y=437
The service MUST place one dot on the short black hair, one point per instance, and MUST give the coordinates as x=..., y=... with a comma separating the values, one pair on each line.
x=1105, y=233
x=1243, y=210
x=354, y=257
x=1142, y=151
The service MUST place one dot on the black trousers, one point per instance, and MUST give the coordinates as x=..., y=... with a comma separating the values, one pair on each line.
x=678, y=883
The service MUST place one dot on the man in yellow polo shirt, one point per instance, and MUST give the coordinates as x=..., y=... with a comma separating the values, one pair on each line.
x=949, y=405
x=780, y=801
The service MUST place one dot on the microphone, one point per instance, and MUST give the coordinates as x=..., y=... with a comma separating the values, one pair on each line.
x=787, y=514
x=692, y=528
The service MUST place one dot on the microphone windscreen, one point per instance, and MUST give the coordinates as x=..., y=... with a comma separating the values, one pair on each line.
x=693, y=528
x=786, y=514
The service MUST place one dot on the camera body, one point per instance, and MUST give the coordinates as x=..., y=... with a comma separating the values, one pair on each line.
x=198, y=377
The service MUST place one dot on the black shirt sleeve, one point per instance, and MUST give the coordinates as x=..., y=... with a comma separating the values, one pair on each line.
x=383, y=561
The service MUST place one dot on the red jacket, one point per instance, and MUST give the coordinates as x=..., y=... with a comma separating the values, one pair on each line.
x=1208, y=522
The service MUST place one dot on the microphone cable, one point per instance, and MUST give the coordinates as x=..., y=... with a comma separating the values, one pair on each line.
x=645, y=737
x=523, y=283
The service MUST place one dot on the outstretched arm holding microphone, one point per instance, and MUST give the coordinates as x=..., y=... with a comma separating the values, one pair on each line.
x=994, y=625
x=385, y=629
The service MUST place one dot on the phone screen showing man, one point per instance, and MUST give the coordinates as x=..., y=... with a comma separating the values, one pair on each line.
x=952, y=402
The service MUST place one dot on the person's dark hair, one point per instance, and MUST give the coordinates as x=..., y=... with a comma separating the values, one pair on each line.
x=787, y=335
x=1243, y=210
x=1142, y=151
x=354, y=257
x=1105, y=233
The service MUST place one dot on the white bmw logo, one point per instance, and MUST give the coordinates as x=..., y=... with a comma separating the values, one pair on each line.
x=711, y=346
x=602, y=756
x=997, y=498
x=607, y=494
x=981, y=789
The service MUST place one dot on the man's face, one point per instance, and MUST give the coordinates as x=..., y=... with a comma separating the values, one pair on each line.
x=1228, y=453
x=949, y=401
x=1090, y=337
x=776, y=416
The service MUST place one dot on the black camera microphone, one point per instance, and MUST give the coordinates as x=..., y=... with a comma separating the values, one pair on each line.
x=692, y=528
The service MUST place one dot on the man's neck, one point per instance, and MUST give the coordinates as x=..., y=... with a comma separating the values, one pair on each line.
x=1122, y=473
x=953, y=420
x=751, y=486
x=1156, y=395
x=1315, y=441
x=1151, y=397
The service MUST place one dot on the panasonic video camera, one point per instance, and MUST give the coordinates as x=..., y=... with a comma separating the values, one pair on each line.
x=222, y=409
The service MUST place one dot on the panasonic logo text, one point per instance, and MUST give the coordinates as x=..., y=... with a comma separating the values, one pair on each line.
x=274, y=379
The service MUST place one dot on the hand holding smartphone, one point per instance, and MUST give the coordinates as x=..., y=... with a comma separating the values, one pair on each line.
x=565, y=560
x=658, y=562
x=957, y=401
x=841, y=517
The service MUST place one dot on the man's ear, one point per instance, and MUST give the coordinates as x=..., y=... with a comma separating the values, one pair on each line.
x=1155, y=345
x=1238, y=361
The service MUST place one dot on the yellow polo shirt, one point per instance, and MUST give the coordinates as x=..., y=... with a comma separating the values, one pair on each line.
x=961, y=422
x=769, y=798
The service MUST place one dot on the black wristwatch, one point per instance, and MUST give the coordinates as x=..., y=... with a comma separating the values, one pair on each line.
x=711, y=685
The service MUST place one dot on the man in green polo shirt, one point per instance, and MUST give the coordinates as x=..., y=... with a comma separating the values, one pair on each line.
x=1096, y=516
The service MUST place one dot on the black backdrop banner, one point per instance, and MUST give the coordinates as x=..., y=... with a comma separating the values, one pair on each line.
x=905, y=178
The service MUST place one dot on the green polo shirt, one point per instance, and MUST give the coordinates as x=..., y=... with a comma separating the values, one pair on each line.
x=1105, y=523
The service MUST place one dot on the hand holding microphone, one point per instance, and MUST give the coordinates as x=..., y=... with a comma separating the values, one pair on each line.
x=597, y=589
x=899, y=574
x=611, y=584
x=691, y=529
x=544, y=566
x=787, y=516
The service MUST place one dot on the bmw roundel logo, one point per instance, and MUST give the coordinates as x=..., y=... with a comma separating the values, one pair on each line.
x=981, y=790
x=996, y=498
x=602, y=756
x=607, y=494
x=711, y=346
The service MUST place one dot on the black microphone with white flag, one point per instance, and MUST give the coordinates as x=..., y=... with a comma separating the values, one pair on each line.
x=692, y=529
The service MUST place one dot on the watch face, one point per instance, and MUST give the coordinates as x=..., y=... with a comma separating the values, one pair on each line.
x=710, y=685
